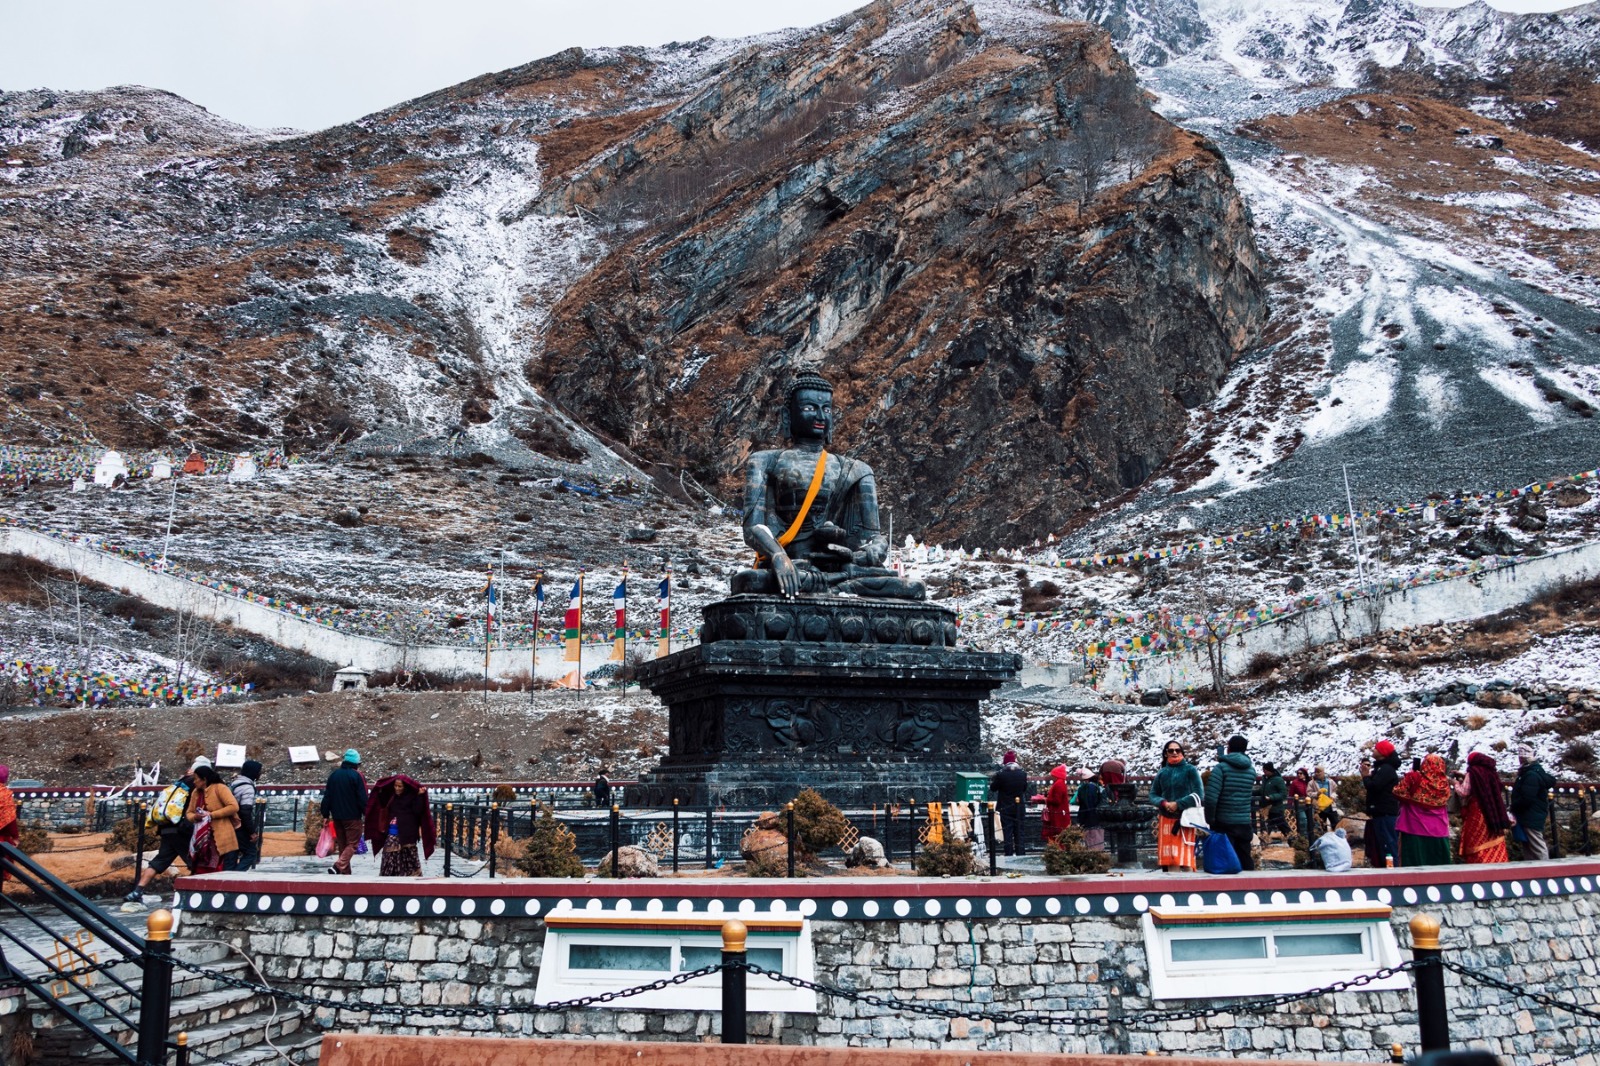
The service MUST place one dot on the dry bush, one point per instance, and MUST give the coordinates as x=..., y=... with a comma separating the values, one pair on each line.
x=549, y=850
x=1579, y=758
x=1475, y=721
x=189, y=749
x=35, y=840
x=953, y=858
x=818, y=824
x=503, y=794
x=124, y=836
x=1350, y=794
x=313, y=827
x=1066, y=855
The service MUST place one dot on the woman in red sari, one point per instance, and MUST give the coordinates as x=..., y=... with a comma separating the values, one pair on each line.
x=1484, y=818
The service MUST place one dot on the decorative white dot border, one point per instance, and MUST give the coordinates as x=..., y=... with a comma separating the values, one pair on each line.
x=884, y=908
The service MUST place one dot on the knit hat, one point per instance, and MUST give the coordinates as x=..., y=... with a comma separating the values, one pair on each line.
x=251, y=769
x=1083, y=773
x=1059, y=773
x=1525, y=751
x=1010, y=758
x=352, y=756
x=1237, y=743
x=199, y=762
x=1383, y=749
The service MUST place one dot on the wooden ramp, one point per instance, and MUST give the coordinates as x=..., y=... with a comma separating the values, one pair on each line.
x=378, y=1050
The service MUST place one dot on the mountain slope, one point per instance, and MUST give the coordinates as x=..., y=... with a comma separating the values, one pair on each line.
x=968, y=214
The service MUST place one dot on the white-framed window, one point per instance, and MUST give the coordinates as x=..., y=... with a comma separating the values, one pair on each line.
x=588, y=952
x=1219, y=952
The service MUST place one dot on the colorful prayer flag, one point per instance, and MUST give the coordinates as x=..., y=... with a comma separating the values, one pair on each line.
x=619, y=602
x=664, y=605
x=574, y=622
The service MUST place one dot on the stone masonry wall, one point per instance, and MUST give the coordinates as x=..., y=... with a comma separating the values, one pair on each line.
x=1006, y=964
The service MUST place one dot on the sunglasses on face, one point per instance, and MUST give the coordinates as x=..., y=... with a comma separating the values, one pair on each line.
x=1173, y=751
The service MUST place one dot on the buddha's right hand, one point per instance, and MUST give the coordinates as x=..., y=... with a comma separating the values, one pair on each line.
x=788, y=576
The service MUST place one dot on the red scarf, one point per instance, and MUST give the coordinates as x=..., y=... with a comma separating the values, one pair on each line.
x=1429, y=787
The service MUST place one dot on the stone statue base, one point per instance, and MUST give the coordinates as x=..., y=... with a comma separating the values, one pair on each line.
x=867, y=701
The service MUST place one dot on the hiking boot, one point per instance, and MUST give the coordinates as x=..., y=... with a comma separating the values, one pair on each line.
x=136, y=896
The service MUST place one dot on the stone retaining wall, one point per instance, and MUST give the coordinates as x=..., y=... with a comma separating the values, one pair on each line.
x=1066, y=945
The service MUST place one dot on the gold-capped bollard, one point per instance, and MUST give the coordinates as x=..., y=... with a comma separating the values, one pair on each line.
x=155, y=999
x=734, y=936
x=158, y=926
x=1433, y=1017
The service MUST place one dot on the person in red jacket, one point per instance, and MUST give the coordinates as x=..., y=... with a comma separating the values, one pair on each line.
x=1057, y=804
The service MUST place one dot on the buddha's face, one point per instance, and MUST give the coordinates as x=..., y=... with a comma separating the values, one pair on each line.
x=811, y=414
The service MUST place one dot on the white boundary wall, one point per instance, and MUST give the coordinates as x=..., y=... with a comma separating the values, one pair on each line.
x=1449, y=600
x=1454, y=599
x=287, y=630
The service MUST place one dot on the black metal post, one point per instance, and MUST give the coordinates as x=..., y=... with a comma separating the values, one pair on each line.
x=1433, y=1017
x=494, y=833
x=155, y=997
x=1555, y=827
x=710, y=812
x=616, y=846
x=734, y=934
x=989, y=840
x=138, y=855
x=888, y=833
x=1397, y=1052
x=911, y=834
x=1583, y=815
x=1022, y=834
x=789, y=832
x=449, y=828
x=183, y=1049
x=674, y=834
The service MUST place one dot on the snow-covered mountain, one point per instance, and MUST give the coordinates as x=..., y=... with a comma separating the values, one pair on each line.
x=1336, y=42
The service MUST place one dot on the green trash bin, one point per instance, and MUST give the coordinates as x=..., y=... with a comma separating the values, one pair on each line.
x=970, y=787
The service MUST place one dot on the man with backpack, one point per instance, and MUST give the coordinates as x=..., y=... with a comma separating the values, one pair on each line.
x=344, y=803
x=172, y=829
x=243, y=788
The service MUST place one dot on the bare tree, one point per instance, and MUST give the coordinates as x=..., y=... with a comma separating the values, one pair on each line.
x=194, y=635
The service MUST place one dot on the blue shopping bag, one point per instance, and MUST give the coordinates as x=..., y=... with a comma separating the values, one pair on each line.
x=1217, y=855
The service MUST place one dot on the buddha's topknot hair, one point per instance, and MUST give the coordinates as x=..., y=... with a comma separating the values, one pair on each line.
x=808, y=379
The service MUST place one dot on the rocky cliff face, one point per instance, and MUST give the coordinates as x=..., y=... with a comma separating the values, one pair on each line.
x=1019, y=278
x=967, y=215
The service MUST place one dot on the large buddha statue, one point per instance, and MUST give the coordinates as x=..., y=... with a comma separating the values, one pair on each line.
x=812, y=516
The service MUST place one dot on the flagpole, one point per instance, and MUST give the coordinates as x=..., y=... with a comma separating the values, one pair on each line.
x=488, y=629
x=538, y=604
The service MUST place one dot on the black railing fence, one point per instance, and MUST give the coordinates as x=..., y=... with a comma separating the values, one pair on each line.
x=1428, y=966
x=64, y=974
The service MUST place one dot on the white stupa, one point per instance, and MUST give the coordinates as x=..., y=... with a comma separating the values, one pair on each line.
x=161, y=469
x=110, y=466
x=244, y=468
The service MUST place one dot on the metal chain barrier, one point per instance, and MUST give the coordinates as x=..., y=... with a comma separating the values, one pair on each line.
x=1143, y=1018
x=1538, y=997
x=308, y=1000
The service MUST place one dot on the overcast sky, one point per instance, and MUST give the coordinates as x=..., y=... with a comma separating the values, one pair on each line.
x=315, y=63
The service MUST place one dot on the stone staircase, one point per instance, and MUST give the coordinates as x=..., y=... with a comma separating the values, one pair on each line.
x=224, y=1024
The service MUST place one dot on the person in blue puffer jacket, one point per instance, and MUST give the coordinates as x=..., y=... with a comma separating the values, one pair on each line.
x=1228, y=793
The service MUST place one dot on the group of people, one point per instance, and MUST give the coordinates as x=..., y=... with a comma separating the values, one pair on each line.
x=209, y=824
x=212, y=825
x=394, y=818
x=1408, y=814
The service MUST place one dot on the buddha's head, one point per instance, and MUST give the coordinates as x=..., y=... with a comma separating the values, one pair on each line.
x=808, y=414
